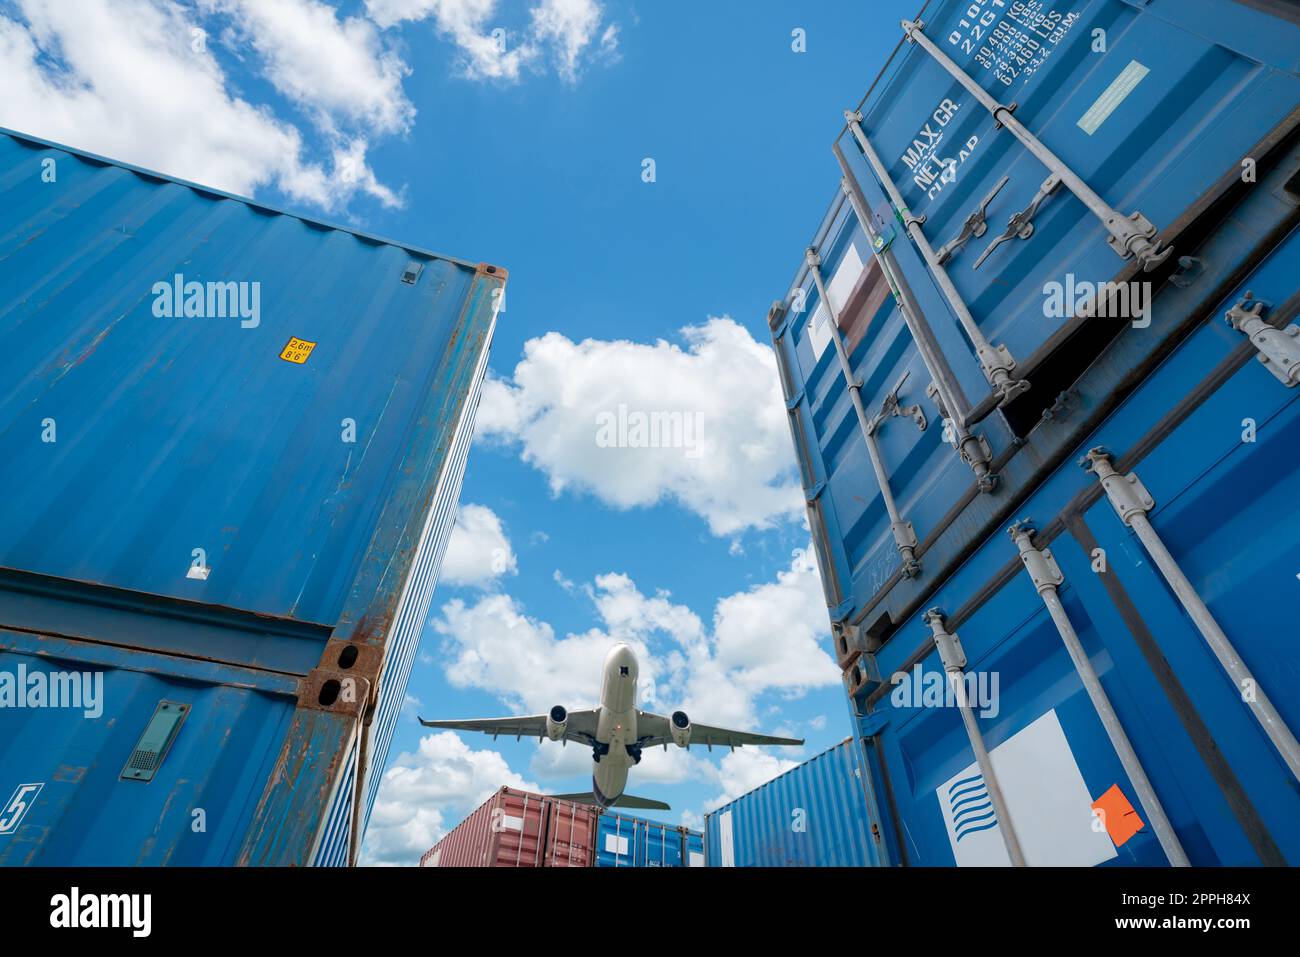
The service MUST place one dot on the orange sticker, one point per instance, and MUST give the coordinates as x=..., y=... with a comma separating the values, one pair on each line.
x=297, y=350
x=1115, y=811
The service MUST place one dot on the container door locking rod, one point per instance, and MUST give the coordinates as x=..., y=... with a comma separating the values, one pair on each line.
x=904, y=535
x=1129, y=235
x=1131, y=501
x=954, y=663
x=974, y=450
x=995, y=361
x=1047, y=578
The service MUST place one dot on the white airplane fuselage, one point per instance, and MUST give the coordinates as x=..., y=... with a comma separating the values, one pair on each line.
x=616, y=726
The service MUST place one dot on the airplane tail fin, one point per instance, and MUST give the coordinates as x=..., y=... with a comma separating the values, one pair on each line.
x=626, y=800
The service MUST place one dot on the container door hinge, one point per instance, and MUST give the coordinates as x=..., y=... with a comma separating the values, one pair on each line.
x=975, y=225
x=1021, y=224
x=1065, y=404
x=1279, y=349
x=1189, y=269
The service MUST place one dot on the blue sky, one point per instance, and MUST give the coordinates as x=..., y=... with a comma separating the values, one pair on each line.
x=409, y=118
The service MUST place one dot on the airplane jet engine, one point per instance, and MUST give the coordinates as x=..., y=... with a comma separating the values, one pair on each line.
x=556, y=720
x=680, y=727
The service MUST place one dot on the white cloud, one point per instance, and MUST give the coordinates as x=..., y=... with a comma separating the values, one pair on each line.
x=492, y=645
x=741, y=771
x=769, y=636
x=425, y=794
x=571, y=25
x=338, y=69
x=559, y=31
x=479, y=552
x=468, y=24
x=134, y=80
x=730, y=461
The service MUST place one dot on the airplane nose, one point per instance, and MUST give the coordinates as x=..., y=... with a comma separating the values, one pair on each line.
x=624, y=658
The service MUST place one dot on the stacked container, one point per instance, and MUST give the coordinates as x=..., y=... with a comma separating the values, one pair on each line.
x=233, y=443
x=814, y=815
x=624, y=841
x=516, y=828
x=1040, y=365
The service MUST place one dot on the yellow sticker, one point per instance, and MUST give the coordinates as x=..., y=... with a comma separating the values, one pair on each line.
x=297, y=350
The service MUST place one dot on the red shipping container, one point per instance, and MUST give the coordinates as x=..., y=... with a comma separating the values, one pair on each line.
x=516, y=828
x=570, y=834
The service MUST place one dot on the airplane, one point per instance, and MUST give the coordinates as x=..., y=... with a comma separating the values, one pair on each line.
x=616, y=731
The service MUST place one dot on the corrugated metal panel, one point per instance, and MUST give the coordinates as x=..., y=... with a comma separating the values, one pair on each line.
x=164, y=462
x=268, y=492
x=516, y=828
x=1176, y=110
x=1128, y=678
x=570, y=834
x=626, y=841
x=814, y=815
x=1213, y=436
x=694, y=843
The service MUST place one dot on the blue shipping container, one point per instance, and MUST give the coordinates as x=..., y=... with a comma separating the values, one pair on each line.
x=234, y=440
x=625, y=841
x=814, y=815
x=1088, y=531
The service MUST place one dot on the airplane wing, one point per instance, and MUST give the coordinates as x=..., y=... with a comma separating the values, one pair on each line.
x=580, y=727
x=654, y=729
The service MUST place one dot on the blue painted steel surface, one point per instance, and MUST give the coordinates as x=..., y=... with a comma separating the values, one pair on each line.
x=1220, y=89
x=86, y=815
x=814, y=815
x=694, y=848
x=625, y=841
x=1188, y=113
x=1224, y=507
x=321, y=494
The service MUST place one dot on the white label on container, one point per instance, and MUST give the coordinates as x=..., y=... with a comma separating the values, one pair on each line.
x=1114, y=95
x=839, y=289
x=512, y=823
x=1046, y=797
x=615, y=844
x=437, y=856
x=696, y=859
x=725, y=840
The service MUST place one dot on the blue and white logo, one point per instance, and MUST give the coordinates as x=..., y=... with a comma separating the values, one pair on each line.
x=970, y=806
